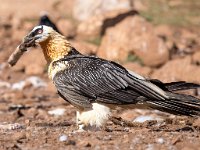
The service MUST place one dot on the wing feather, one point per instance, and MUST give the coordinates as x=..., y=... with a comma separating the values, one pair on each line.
x=96, y=79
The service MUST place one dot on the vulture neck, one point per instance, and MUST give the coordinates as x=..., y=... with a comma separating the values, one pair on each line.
x=55, y=47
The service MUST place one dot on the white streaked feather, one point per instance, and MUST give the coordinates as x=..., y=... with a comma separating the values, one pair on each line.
x=53, y=69
x=151, y=85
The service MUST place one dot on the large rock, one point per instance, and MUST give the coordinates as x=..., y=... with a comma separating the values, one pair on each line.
x=134, y=35
x=63, y=8
x=180, y=69
x=196, y=57
x=66, y=27
x=84, y=47
x=139, y=5
x=180, y=41
x=96, y=25
x=88, y=8
x=165, y=31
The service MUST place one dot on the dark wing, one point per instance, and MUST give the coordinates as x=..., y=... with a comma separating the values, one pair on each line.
x=90, y=79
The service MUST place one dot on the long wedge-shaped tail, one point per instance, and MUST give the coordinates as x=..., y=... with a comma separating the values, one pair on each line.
x=175, y=86
x=181, y=85
x=179, y=104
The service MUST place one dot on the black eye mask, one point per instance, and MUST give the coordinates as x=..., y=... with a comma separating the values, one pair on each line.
x=36, y=32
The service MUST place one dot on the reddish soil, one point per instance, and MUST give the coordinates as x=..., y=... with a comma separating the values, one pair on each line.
x=25, y=122
x=39, y=130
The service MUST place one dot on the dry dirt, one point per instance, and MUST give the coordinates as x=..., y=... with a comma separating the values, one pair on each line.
x=26, y=123
x=26, y=106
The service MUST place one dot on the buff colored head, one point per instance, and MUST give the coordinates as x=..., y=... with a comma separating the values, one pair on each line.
x=53, y=44
x=40, y=34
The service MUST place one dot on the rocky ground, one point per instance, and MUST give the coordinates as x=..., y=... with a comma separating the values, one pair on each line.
x=157, y=40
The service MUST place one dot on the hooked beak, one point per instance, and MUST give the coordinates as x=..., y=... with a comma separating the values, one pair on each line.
x=29, y=41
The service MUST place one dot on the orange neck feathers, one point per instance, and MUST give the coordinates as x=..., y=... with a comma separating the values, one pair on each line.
x=55, y=47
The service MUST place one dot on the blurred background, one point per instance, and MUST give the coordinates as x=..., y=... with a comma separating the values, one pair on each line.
x=155, y=38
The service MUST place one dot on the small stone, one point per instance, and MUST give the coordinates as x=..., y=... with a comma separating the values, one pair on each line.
x=31, y=113
x=19, y=136
x=88, y=145
x=142, y=119
x=63, y=138
x=160, y=140
x=197, y=122
x=4, y=84
x=57, y=112
x=13, y=126
x=42, y=114
x=19, y=85
x=27, y=122
x=36, y=82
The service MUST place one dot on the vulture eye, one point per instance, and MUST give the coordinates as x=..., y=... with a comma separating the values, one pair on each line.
x=39, y=31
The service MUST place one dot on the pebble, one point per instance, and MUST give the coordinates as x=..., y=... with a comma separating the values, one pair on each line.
x=57, y=112
x=160, y=140
x=150, y=147
x=13, y=126
x=36, y=82
x=63, y=138
x=19, y=85
x=4, y=84
x=142, y=119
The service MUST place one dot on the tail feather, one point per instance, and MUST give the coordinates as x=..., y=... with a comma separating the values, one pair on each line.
x=178, y=104
x=182, y=85
x=183, y=98
x=172, y=109
x=175, y=86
